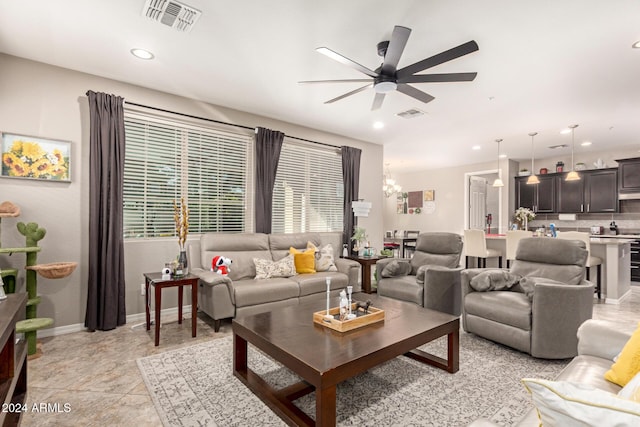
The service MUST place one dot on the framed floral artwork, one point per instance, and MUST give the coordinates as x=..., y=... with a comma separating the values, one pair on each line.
x=35, y=158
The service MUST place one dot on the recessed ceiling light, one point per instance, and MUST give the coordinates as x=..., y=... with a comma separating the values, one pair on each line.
x=503, y=156
x=586, y=143
x=475, y=147
x=565, y=131
x=636, y=45
x=142, y=54
x=378, y=125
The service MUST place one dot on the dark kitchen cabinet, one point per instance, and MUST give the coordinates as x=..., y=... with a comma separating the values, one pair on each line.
x=600, y=190
x=540, y=198
x=595, y=192
x=629, y=175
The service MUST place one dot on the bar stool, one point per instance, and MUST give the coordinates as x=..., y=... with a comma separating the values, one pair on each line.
x=513, y=237
x=475, y=245
x=591, y=260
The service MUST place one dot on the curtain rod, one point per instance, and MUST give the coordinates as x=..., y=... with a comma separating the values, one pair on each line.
x=223, y=123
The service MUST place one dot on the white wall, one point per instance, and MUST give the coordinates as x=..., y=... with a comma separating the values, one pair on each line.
x=41, y=100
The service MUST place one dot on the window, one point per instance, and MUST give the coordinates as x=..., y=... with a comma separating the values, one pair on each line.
x=167, y=159
x=307, y=195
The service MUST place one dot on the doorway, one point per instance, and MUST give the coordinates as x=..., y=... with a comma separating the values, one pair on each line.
x=483, y=202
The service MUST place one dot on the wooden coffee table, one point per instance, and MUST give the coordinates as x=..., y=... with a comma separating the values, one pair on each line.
x=323, y=358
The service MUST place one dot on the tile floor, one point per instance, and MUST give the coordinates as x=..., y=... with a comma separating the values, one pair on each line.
x=97, y=375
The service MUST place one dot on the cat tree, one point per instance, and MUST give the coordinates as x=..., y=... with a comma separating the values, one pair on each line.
x=33, y=234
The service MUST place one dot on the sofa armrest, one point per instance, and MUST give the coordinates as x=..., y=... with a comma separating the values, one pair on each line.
x=209, y=278
x=603, y=338
x=556, y=313
x=442, y=291
x=352, y=269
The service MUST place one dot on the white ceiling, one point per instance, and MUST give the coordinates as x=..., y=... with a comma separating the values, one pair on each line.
x=542, y=65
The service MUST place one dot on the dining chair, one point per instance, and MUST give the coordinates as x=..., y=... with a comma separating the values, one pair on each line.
x=512, y=238
x=475, y=245
x=591, y=260
x=409, y=242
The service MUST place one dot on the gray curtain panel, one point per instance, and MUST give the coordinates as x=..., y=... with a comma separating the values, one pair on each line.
x=268, y=147
x=106, y=291
x=351, y=180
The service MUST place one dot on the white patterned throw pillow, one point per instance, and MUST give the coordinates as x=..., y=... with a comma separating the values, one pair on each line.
x=324, y=257
x=266, y=269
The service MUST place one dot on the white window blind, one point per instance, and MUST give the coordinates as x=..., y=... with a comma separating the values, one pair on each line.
x=166, y=160
x=308, y=191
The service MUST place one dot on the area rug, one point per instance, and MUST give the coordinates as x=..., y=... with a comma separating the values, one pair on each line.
x=194, y=386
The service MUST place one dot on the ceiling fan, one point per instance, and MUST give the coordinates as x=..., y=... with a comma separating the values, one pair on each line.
x=387, y=78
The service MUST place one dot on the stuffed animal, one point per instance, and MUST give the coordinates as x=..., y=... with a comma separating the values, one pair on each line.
x=221, y=265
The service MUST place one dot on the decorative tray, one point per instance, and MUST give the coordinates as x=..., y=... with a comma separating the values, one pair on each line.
x=374, y=315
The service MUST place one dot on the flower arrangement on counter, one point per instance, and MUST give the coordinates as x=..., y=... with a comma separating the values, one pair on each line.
x=181, y=219
x=523, y=216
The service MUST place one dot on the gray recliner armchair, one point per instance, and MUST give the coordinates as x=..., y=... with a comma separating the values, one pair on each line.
x=431, y=278
x=536, y=306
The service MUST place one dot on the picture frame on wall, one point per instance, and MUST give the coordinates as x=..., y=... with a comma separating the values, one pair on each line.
x=32, y=157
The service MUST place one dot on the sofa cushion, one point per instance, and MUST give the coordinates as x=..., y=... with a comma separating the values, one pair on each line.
x=266, y=269
x=324, y=258
x=241, y=248
x=562, y=403
x=509, y=308
x=316, y=283
x=628, y=362
x=494, y=280
x=396, y=268
x=305, y=262
x=279, y=243
x=404, y=288
x=632, y=390
x=253, y=292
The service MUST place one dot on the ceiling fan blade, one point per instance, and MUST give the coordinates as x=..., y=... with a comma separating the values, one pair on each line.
x=377, y=101
x=447, y=55
x=438, y=78
x=338, y=81
x=415, y=93
x=353, y=92
x=396, y=46
x=346, y=61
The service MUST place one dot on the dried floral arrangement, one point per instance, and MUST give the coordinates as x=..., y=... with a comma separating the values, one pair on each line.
x=181, y=219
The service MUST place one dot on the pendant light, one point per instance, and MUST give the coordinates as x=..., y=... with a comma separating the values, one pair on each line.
x=573, y=175
x=533, y=178
x=498, y=182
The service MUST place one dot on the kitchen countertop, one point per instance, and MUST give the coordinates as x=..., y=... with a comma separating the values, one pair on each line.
x=611, y=240
x=616, y=236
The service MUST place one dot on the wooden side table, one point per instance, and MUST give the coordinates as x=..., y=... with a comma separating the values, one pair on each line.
x=366, y=262
x=159, y=284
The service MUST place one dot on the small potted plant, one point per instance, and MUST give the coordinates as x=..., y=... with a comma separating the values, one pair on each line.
x=524, y=172
x=359, y=236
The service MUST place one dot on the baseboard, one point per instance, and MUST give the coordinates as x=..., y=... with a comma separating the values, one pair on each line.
x=133, y=320
x=618, y=300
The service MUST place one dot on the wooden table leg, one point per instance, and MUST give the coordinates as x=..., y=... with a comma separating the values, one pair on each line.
x=326, y=406
x=366, y=277
x=158, y=307
x=180, y=298
x=239, y=354
x=194, y=307
x=453, y=351
x=146, y=302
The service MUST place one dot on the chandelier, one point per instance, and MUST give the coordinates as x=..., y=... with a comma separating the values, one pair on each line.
x=389, y=186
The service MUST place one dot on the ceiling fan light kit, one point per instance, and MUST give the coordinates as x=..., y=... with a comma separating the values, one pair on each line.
x=387, y=78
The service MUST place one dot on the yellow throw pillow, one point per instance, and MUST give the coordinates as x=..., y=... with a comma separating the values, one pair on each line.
x=305, y=262
x=628, y=363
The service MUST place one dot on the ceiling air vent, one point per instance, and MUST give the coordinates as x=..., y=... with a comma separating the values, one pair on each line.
x=409, y=114
x=555, y=147
x=171, y=13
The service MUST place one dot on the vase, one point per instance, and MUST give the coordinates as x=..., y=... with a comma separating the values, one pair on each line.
x=182, y=259
x=526, y=223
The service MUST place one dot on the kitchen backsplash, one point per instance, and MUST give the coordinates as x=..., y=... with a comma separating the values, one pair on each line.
x=627, y=223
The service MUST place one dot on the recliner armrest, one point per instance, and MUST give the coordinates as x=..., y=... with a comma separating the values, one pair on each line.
x=442, y=291
x=209, y=278
x=352, y=269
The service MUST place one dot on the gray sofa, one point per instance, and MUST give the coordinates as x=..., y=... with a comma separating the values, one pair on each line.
x=240, y=293
x=431, y=277
x=599, y=341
